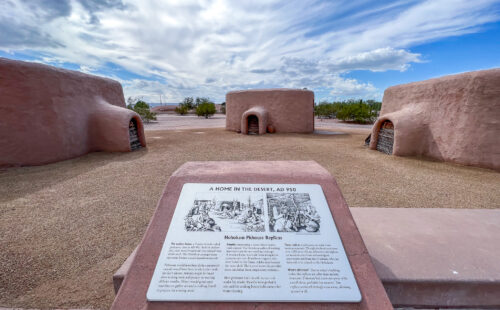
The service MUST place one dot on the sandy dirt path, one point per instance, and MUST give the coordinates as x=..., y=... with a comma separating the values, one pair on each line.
x=173, y=121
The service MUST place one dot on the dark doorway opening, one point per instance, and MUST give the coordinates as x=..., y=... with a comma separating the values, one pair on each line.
x=253, y=125
x=385, y=139
x=134, y=136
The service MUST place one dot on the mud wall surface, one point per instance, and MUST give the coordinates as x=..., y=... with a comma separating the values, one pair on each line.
x=287, y=110
x=51, y=114
x=454, y=118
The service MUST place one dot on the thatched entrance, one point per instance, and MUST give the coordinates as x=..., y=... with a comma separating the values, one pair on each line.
x=385, y=140
x=253, y=125
x=134, y=136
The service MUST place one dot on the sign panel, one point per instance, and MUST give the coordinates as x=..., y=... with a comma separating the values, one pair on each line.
x=253, y=242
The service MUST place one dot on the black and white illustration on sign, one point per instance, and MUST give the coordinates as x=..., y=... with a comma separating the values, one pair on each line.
x=253, y=243
x=221, y=214
x=292, y=213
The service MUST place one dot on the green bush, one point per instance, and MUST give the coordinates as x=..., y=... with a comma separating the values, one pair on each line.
x=357, y=111
x=205, y=108
x=326, y=110
x=188, y=103
x=182, y=109
x=142, y=108
x=375, y=105
x=200, y=100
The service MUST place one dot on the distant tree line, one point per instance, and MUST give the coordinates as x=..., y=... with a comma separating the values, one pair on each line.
x=201, y=105
x=358, y=111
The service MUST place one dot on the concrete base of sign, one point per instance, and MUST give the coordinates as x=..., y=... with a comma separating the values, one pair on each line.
x=132, y=294
x=435, y=257
x=121, y=273
x=425, y=257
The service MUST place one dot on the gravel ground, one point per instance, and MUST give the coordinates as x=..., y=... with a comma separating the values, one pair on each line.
x=66, y=227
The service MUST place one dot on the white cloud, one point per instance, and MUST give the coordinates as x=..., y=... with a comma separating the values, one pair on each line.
x=86, y=69
x=206, y=48
x=381, y=59
x=352, y=88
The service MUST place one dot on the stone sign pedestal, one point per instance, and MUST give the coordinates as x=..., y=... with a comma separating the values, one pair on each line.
x=133, y=291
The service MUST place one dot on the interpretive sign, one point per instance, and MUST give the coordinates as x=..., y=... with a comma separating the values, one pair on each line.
x=253, y=242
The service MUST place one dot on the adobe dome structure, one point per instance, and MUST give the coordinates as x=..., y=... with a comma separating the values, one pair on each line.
x=51, y=114
x=275, y=110
x=454, y=118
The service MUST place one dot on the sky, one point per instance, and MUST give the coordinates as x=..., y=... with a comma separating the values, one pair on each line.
x=175, y=49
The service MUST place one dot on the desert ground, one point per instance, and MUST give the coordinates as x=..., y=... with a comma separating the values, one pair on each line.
x=66, y=227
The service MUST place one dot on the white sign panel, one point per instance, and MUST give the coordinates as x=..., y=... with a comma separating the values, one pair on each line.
x=253, y=242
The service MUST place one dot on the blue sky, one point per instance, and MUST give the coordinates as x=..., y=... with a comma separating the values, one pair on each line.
x=339, y=49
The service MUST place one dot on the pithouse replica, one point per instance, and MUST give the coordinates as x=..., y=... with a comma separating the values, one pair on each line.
x=241, y=234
